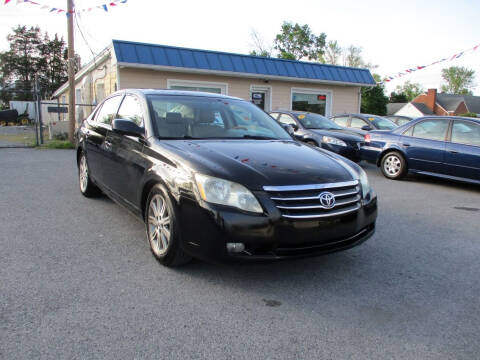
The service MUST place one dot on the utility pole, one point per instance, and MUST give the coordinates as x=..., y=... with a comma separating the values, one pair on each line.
x=71, y=72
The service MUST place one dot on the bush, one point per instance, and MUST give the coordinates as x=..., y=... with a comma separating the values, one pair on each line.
x=469, y=114
x=61, y=136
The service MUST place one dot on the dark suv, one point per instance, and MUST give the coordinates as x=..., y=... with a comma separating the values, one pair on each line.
x=317, y=130
x=215, y=177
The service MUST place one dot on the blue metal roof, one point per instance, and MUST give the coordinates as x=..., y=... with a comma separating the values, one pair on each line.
x=170, y=56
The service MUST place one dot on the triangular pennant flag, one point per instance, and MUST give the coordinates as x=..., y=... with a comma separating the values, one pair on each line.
x=113, y=4
x=19, y=2
x=476, y=47
x=456, y=57
x=53, y=9
x=6, y=2
x=105, y=7
x=44, y=7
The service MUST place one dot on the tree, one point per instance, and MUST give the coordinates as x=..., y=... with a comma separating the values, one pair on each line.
x=32, y=55
x=374, y=100
x=297, y=42
x=260, y=48
x=398, y=97
x=459, y=79
x=20, y=64
x=52, y=65
x=410, y=90
x=333, y=53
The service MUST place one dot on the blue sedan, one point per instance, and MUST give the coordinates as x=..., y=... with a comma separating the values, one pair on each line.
x=448, y=147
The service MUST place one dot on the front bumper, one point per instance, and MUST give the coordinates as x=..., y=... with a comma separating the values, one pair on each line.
x=351, y=152
x=207, y=229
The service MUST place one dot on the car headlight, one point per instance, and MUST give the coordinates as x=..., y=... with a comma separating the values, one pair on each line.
x=223, y=192
x=333, y=141
x=364, y=183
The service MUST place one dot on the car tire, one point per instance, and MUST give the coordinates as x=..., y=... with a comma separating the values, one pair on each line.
x=87, y=187
x=163, y=228
x=393, y=165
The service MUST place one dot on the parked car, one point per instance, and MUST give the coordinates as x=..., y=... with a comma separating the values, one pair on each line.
x=399, y=119
x=363, y=122
x=215, y=177
x=317, y=130
x=447, y=147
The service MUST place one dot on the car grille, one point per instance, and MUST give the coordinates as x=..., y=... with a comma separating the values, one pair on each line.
x=303, y=201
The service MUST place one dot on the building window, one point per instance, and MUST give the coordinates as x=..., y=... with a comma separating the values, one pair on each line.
x=204, y=86
x=78, y=96
x=99, y=92
x=314, y=101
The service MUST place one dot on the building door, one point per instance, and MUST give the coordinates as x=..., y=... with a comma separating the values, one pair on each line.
x=260, y=95
x=258, y=98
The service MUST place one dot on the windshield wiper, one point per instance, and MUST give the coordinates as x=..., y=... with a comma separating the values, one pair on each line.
x=256, y=137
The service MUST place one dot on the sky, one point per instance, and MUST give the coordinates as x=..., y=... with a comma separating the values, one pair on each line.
x=395, y=35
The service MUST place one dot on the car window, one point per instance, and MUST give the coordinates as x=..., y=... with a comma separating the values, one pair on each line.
x=466, y=132
x=286, y=119
x=274, y=115
x=401, y=121
x=315, y=121
x=381, y=123
x=109, y=110
x=131, y=110
x=341, y=120
x=358, y=123
x=434, y=129
x=206, y=118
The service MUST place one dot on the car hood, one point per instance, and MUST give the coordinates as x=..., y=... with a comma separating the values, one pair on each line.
x=257, y=163
x=342, y=134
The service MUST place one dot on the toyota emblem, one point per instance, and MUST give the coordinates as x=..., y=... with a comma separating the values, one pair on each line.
x=327, y=199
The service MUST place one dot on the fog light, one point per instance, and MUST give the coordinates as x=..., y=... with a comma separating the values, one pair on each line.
x=235, y=247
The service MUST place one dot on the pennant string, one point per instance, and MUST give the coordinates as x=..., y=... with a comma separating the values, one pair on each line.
x=421, y=67
x=103, y=7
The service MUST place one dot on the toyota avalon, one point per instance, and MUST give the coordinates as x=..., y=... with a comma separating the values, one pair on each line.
x=216, y=178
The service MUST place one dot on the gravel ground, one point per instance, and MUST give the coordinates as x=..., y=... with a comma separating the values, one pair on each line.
x=77, y=280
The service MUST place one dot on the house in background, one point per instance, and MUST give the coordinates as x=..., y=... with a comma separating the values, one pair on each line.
x=270, y=83
x=392, y=108
x=433, y=103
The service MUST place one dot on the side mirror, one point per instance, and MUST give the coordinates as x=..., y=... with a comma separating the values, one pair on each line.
x=367, y=127
x=289, y=128
x=127, y=127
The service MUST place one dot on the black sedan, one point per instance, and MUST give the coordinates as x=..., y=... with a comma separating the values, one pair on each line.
x=363, y=122
x=317, y=130
x=215, y=177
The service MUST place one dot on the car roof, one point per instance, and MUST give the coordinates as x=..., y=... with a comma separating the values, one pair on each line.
x=175, y=92
x=477, y=120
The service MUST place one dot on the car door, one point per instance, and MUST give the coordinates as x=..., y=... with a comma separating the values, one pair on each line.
x=424, y=145
x=462, y=157
x=97, y=146
x=127, y=161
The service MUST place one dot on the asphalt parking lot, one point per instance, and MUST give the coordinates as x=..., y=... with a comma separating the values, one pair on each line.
x=77, y=280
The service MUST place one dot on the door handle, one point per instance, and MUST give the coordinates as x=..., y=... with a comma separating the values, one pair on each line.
x=453, y=152
x=406, y=144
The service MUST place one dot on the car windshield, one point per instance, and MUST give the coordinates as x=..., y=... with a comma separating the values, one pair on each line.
x=382, y=123
x=315, y=121
x=199, y=117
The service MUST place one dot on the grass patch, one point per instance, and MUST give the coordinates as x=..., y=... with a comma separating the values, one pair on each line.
x=57, y=144
x=18, y=139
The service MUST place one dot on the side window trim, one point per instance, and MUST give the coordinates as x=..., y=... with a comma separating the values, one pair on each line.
x=450, y=135
x=140, y=108
x=109, y=126
x=447, y=133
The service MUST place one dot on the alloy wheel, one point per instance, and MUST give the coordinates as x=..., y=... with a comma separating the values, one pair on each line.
x=159, y=225
x=83, y=173
x=392, y=165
